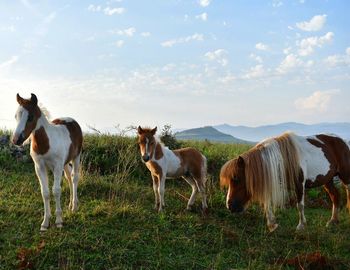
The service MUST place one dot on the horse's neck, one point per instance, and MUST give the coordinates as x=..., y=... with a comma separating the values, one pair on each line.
x=42, y=122
x=169, y=154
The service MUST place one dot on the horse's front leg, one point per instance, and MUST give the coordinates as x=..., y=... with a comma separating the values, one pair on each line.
x=161, y=189
x=41, y=172
x=56, y=191
x=270, y=218
x=155, y=190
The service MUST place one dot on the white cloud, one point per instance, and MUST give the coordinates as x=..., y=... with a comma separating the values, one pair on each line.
x=146, y=34
x=203, y=16
x=261, y=46
x=9, y=62
x=220, y=56
x=111, y=11
x=172, y=42
x=10, y=28
x=301, y=1
x=204, y=3
x=315, y=24
x=290, y=62
x=94, y=8
x=307, y=45
x=339, y=60
x=119, y=43
x=287, y=50
x=49, y=18
x=256, y=58
x=107, y=11
x=318, y=101
x=126, y=32
x=255, y=72
x=277, y=3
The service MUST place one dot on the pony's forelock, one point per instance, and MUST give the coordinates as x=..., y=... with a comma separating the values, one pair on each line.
x=226, y=173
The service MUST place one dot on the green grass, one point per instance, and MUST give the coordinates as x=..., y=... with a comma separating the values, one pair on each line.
x=117, y=228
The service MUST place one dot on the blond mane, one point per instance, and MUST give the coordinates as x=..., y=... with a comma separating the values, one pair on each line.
x=272, y=169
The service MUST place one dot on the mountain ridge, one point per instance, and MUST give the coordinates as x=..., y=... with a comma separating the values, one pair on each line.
x=259, y=133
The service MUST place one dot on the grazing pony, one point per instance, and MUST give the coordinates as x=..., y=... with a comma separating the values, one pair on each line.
x=187, y=163
x=53, y=145
x=278, y=170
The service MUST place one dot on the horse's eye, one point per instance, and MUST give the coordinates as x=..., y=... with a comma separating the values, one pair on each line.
x=30, y=117
x=236, y=180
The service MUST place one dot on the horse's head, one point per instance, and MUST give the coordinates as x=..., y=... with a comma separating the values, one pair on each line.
x=147, y=142
x=26, y=116
x=232, y=175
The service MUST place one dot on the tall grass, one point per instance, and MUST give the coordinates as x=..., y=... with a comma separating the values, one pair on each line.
x=116, y=227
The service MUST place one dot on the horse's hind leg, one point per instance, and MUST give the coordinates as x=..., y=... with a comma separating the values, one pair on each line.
x=68, y=176
x=335, y=197
x=347, y=188
x=346, y=184
x=202, y=191
x=75, y=176
x=194, y=192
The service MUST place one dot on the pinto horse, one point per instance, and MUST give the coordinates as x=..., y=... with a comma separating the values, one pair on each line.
x=53, y=145
x=278, y=170
x=163, y=163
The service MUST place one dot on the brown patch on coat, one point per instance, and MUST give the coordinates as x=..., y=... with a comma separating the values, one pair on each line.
x=40, y=142
x=155, y=169
x=191, y=162
x=76, y=137
x=337, y=153
x=158, y=152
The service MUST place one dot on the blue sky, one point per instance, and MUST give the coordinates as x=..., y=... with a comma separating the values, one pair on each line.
x=185, y=63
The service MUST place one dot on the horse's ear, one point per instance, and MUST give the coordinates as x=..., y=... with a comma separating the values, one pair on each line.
x=34, y=99
x=240, y=162
x=139, y=130
x=153, y=131
x=20, y=100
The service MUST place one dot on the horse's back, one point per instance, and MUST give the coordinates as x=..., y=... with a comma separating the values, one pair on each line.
x=333, y=151
x=192, y=160
x=75, y=133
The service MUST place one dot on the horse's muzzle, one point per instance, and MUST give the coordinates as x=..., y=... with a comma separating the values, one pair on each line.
x=145, y=158
x=236, y=207
x=19, y=140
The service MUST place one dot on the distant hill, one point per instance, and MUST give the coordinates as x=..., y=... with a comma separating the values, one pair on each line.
x=259, y=133
x=208, y=133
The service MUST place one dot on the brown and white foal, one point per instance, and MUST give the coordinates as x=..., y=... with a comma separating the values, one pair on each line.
x=163, y=163
x=53, y=145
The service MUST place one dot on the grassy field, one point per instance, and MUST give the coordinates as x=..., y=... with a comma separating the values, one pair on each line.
x=117, y=228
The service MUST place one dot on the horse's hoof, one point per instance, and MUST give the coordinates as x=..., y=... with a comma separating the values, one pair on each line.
x=300, y=227
x=272, y=227
x=189, y=208
x=205, y=211
x=59, y=225
x=43, y=229
x=332, y=222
